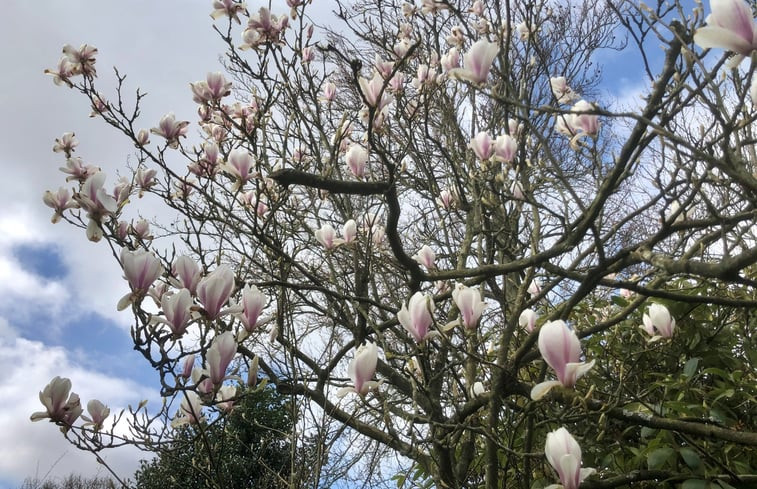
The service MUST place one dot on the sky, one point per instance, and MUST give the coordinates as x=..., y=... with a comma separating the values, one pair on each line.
x=57, y=290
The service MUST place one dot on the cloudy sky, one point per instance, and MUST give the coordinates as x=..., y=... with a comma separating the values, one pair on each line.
x=58, y=291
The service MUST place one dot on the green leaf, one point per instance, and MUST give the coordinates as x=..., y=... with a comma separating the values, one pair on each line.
x=619, y=301
x=691, y=367
x=695, y=484
x=690, y=457
x=657, y=458
x=647, y=432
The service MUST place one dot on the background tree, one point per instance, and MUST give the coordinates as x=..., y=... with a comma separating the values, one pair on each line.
x=494, y=213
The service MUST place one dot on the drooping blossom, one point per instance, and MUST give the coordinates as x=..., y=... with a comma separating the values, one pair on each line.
x=658, y=323
x=477, y=62
x=187, y=273
x=357, y=160
x=214, y=290
x=177, y=309
x=190, y=411
x=65, y=144
x=505, y=148
x=219, y=355
x=59, y=202
x=468, y=301
x=361, y=370
x=564, y=455
x=527, y=320
x=171, y=130
x=253, y=302
x=98, y=413
x=483, y=145
x=560, y=348
x=416, y=316
x=730, y=26
x=426, y=257
x=60, y=407
x=228, y=8
x=563, y=93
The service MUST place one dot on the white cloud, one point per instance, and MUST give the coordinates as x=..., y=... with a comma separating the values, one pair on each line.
x=28, y=448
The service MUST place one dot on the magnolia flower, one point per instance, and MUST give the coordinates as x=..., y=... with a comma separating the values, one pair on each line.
x=253, y=303
x=190, y=411
x=468, y=301
x=219, y=355
x=239, y=165
x=361, y=369
x=212, y=89
x=477, y=389
x=327, y=237
x=505, y=148
x=451, y=60
x=583, y=123
x=523, y=31
x=349, y=231
x=187, y=273
x=401, y=47
x=516, y=190
x=373, y=91
x=446, y=199
x=98, y=413
x=229, y=8
x=178, y=312
x=560, y=348
x=141, y=268
x=65, y=144
x=477, y=62
x=170, y=129
x=214, y=290
x=357, y=160
x=77, y=170
x=564, y=455
x=59, y=202
x=329, y=92
x=729, y=26
x=225, y=397
x=416, y=316
x=563, y=93
x=534, y=288
x=188, y=366
x=527, y=320
x=482, y=145
x=425, y=257
x=60, y=407
x=658, y=323
x=145, y=179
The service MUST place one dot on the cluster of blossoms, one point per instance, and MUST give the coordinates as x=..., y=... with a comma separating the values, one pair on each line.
x=64, y=409
x=74, y=62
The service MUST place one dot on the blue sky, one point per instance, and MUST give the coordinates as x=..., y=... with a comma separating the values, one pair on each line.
x=58, y=291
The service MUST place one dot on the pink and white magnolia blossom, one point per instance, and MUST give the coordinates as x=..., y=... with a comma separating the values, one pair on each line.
x=212, y=89
x=326, y=235
x=516, y=190
x=753, y=91
x=505, y=148
x=563, y=93
x=426, y=257
x=514, y=127
x=483, y=145
x=527, y=320
x=416, y=316
x=373, y=91
x=141, y=229
x=401, y=47
x=77, y=170
x=564, y=455
x=534, y=288
x=214, y=290
x=446, y=199
x=240, y=166
x=177, y=309
x=583, y=124
x=65, y=144
x=141, y=268
x=96, y=201
x=560, y=348
x=170, y=129
x=188, y=366
x=143, y=137
x=730, y=26
x=228, y=8
x=523, y=31
x=98, y=413
x=225, y=398
x=357, y=160
x=477, y=62
x=329, y=92
x=187, y=273
x=451, y=60
x=253, y=302
x=145, y=179
x=59, y=201
x=190, y=411
x=361, y=370
x=658, y=323
x=219, y=356
x=81, y=60
x=349, y=231
x=60, y=407
x=468, y=301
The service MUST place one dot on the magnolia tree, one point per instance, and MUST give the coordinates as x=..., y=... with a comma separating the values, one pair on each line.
x=427, y=224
